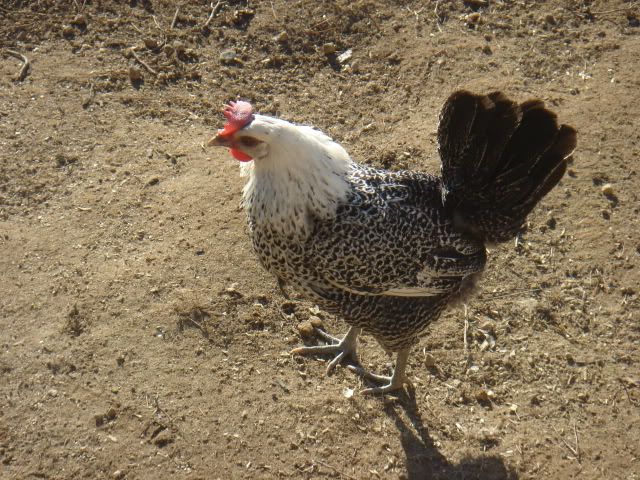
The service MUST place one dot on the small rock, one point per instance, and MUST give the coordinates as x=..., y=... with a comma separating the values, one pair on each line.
x=135, y=74
x=329, y=48
x=232, y=291
x=550, y=19
x=551, y=223
x=150, y=43
x=228, y=57
x=345, y=56
x=429, y=361
x=118, y=474
x=281, y=37
x=163, y=439
x=306, y=329
x=153, y=181
x=472, y=19
x=111, y=414
x=476, y=3
x=482, y=396
x=52, y=392
x=68, y=31
x=607, y=190
x=316, y=322
x=79, y=21
x=99, y=419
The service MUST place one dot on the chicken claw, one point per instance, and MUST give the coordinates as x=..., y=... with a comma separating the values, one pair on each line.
x=345, y=348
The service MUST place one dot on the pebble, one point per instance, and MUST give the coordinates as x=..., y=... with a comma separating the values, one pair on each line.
x=68, y=31
x=306, y=329
x=345, y=56
x=163, y=439
x=135, y=74
x=429, y=361
x=228, y=56
x=118, y=474
x=607, y=190
x=281, y=37
x=79, y=21
x=329, y=48
x=316, y=321
x=482, y=396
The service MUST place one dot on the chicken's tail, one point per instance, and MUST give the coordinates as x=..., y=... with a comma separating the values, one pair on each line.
x=498, y=160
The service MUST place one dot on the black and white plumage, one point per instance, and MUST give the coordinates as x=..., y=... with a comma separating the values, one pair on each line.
x=388, y=251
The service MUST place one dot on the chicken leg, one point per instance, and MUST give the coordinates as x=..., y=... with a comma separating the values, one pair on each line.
x=395, y=382
x=342, y=348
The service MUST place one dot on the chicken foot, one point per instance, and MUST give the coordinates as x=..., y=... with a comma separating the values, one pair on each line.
x=345, y=348
x=395, y=382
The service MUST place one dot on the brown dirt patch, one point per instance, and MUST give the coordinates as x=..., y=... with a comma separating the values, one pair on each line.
x=139, y=337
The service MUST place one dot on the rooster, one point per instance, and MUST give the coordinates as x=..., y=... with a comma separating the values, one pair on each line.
x=388, y=251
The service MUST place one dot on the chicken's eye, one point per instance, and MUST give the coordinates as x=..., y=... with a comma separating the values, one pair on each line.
x=249, y=141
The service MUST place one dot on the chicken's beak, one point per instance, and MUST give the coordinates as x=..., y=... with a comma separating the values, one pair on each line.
x=220, y=141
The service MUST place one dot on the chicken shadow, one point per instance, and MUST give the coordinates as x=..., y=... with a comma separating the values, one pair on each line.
x=424, y=460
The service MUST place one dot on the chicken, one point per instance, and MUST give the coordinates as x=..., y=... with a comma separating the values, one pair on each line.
x=388, y=251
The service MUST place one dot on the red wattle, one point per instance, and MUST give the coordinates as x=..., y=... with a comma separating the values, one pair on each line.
x=238, y=155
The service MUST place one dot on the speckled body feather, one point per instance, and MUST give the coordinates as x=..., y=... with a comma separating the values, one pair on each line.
x=389, y=260
x=388, y=251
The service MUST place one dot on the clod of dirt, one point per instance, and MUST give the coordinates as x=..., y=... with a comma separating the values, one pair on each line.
x=429, y=361
x=329, y=48
x=63, y=160
x=306, y=329
x=135, y=75
x=79, y=21
x=316, y=322
x=281, y=37
x=229, y=57
x=75, y=323
x=103, y=418
x=163, y=439
x=68, y=31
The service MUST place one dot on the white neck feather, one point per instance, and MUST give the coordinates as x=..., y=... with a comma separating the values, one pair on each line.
x=305, y=173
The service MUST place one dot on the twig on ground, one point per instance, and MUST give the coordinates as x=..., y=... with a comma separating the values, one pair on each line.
x=466, y=328
x=575, y=433
x=342, y=474
x=26, y=65
x=215, y=9
x=514, y=293
x=142, y=62
x=615, y=10
x=175, y=17
x=273, y=11
x=575, y=450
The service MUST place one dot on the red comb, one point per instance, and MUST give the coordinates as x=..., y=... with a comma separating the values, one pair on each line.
x=238, y=114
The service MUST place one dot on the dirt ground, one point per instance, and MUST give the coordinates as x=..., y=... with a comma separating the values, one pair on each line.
x=139, y=337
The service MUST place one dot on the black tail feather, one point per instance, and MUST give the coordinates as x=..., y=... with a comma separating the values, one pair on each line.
x=498, y=160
